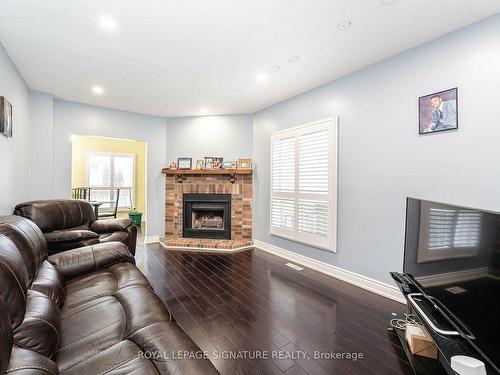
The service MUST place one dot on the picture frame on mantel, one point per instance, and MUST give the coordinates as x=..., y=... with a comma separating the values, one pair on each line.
x=184, y=163
x=209, y=162
x=5, y=117
x=245, y=164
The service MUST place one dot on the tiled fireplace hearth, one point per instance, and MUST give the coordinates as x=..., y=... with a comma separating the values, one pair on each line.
x=208, y=210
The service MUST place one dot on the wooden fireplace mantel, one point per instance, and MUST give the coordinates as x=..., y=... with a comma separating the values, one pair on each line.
x=199, y=172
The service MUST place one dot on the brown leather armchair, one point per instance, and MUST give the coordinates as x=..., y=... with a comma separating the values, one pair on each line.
x=71, y=223
x=84, y=311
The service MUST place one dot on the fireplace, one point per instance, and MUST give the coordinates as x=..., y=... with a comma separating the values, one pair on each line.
x=207, y=216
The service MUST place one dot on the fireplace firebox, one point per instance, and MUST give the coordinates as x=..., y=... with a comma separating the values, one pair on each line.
x=207, y=216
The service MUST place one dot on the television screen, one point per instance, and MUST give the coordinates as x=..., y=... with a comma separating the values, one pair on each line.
x=454, y=254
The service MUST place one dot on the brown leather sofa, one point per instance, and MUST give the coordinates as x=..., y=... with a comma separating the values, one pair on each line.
x=83, y=311
x=70, y=223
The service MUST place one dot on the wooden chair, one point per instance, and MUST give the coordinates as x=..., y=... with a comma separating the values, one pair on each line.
x=81, y=193
x=113, y=213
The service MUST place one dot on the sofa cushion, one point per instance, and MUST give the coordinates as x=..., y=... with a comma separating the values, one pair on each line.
x=51, y=215
x=122, y=358
x=84, y=260
x=89, y=330
x=102, y=283
x=69, y=235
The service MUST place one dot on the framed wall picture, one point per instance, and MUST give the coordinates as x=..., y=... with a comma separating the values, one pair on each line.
x=438, y=112
x=5, y=117
x=209, y=162
x=244, y=163
x=200, y=164
x=184, y=163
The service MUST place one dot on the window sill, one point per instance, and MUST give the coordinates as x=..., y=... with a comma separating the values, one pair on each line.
x=315, y=246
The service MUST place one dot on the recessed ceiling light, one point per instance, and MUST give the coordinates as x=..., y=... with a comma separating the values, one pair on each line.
x=388, y=2
x=275, y=68
x=344, y=25
x=294, y=59
x=261, y=77
x=107, y=23
x=98, y=90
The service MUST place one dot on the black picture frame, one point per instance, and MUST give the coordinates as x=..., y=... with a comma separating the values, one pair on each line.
x=453, y=92
x=5, y=117
x=181, y=163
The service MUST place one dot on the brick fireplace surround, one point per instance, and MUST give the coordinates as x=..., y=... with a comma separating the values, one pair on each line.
x=241, y=207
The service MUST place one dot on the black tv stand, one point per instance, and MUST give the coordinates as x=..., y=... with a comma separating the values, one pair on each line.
x=420, y=365
x=448, y=340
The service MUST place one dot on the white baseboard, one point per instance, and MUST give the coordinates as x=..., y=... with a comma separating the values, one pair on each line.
x=375, y=286
x=152, y=239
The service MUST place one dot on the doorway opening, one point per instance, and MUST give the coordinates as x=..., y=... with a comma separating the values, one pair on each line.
x=111, y=173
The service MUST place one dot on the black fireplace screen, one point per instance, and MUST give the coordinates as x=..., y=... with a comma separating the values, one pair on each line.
x=207, y=216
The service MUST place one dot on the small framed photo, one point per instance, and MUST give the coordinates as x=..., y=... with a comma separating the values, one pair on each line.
x=244, y=163
x=438, y=112
x=200, y=164
x=229, y=165
x=218, y=162
x=209, y=162
x=5, y=117
x=184, y=163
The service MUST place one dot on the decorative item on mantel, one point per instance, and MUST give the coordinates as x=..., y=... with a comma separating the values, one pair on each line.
x=245, y=164
x=172, y=165
x=209, y=162
x=184, y=163
x=200, y=164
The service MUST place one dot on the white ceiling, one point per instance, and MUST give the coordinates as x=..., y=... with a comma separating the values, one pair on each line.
x=191, y=57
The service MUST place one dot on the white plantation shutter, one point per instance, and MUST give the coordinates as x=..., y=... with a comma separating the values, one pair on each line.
x=284, y=165
x=303, y=184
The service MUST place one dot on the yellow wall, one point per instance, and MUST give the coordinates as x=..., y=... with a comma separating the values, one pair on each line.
x=83, y=145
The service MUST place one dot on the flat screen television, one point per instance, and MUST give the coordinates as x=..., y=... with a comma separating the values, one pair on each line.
x=453, y=254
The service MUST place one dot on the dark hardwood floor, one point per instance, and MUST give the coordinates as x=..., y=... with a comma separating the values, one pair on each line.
x=241, y=306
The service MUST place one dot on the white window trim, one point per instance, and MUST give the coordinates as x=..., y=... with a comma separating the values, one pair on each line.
x=112, y=154
x=331, y=242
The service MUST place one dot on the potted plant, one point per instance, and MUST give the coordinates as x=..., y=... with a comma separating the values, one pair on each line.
x=135, y=216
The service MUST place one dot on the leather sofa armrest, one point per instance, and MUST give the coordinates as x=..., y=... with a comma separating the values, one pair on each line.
x=88, y=259
x=111, y=225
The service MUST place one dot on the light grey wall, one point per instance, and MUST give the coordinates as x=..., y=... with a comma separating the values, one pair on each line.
x=14, y=152
x=41, y=147
x=81, y=119
x=228, y=136
x=382, y=159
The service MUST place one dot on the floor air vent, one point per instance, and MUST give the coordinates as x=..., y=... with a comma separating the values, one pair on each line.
x=294, y=266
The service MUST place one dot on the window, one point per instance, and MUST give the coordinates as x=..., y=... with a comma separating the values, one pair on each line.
x=304, y=184
x=448, y=232
x=108, y=172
